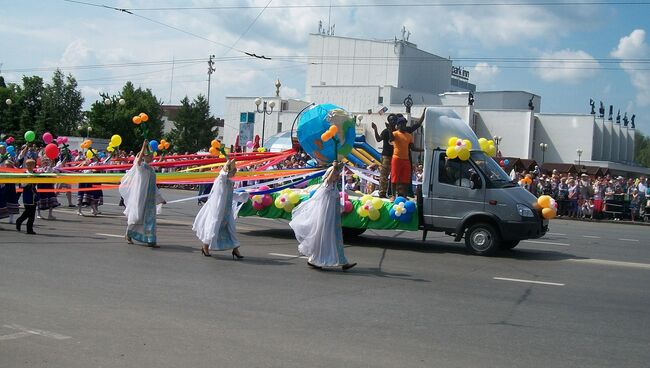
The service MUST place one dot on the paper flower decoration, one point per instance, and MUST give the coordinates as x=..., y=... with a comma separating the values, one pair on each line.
x=402, y=210
x=370, y=207
x=459, y=148
x=287, y=200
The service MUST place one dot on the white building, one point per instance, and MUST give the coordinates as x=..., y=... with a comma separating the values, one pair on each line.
x=364, y=76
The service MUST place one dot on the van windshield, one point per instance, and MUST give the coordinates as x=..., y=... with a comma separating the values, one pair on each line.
x=491, y=170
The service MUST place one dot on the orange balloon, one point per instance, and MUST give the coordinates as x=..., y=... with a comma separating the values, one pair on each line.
x=548, y=213
x=325, y=136
x=213, y=151
x=144, y=117
x=333, y=130
x=137, y=120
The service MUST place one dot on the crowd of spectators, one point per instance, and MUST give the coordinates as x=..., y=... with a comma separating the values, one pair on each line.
x=584, y=196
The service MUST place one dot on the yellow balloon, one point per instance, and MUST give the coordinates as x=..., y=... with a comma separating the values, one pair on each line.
x=463, y=154
x=289, y=207
x=452, y=141
x=451, y=152
x=482, y=141
x=467, y=144
x=294, y=198
x=544, y=201
x=116, y=140
x=492, y=151
x=278, y=203
x=366, y=198
x=374, y=214
x=110, y=149
x=362, y=212
x=548, y=213
x=377, y=203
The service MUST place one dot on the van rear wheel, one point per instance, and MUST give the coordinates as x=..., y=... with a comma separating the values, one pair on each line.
x=482, y=239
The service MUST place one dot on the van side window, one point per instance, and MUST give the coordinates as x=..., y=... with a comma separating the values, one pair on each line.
x=454, y=172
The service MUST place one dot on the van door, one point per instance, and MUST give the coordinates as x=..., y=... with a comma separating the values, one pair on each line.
x=451, y=196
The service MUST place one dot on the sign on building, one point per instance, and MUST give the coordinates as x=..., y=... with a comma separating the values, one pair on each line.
x=246, y=127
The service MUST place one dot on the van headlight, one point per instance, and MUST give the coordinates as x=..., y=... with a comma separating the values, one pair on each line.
x=524, y=211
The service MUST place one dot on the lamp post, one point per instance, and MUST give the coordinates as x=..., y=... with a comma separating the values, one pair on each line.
x=544, y=147
x=579, y=152
x=497, y=139
x=267, y=109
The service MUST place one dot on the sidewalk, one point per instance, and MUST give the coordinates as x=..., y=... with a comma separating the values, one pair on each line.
x=625, y=222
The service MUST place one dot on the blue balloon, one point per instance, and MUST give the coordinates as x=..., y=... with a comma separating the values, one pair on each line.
x=3, y=144
x=153, y=145
x=312, y=163
x=11, y=149
x=410, y=207
x=313, y=123
x=391, y=213
x=506, y=161
x=406, y=217
x=12, y=154
x=399, y=200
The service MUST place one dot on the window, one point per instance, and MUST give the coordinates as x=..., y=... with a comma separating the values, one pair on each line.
x=380, y=100
x=279, y=127
x=454, y=172
x=284, y=106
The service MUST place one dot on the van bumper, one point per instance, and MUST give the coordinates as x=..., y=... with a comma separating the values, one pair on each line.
x=520, y=230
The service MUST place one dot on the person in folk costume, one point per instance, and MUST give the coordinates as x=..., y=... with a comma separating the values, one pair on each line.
x=141, y=196
x=215, y=223
x=316, y=223
x=46, y=196
x=92, y=198
x=10, y=196
x=30, y=201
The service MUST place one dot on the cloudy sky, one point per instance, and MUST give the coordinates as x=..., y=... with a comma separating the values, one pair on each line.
x=567, y=53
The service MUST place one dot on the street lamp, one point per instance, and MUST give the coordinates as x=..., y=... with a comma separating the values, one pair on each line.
x=579, y=152
x=497, y=139
x=267, y=109
x=8, y=102
x=544, y=147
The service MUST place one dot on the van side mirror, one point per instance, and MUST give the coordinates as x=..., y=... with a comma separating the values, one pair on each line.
x=475, y=180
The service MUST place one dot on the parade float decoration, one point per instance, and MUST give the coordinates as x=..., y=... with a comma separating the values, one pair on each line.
x=548, y=206
x=487, y=146
x=458, y=148
x=326, y=132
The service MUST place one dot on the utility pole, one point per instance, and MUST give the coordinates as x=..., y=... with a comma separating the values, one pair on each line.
x=211, y=70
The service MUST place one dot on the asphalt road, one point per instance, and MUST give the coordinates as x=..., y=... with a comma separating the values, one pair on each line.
x=77, y=295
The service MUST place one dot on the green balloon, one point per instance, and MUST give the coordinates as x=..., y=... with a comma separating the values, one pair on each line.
x=30, y=136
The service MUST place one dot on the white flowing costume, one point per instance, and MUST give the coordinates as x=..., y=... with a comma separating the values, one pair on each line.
x=317, y=225
x=215, y=222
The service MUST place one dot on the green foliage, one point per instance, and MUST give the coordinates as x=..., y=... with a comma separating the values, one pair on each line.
x=53, y=107
x=194, y=128
x=113, y=118
x=642, y=149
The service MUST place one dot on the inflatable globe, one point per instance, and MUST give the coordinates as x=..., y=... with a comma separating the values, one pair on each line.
x=316, y=121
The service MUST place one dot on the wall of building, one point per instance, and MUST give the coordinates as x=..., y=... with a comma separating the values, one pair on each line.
x=515, y=127
x=343, y=61
x=506, y=100
x=422, y=71
x=564, y=134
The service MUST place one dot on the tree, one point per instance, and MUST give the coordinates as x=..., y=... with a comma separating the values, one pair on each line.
x=113, y=118
x=61, y=105
x=641, y=149
x=9, y=114
x=194, y=128
x=29, y=104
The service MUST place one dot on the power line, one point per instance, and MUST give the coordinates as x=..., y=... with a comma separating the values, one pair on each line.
x=393, y=5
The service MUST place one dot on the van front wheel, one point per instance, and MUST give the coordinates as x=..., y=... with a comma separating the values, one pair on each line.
x=482, y=239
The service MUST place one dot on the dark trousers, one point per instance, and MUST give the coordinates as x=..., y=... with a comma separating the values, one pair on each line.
x=29, y=214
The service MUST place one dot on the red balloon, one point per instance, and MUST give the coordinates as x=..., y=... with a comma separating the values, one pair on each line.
x=52, y=151
x=502, y=163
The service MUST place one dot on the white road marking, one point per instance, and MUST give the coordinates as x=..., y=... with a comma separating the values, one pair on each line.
x=287, y=255
x=110, y=235
x=630, y=240
x=14, y=336
x=528, y=281
x=33, y=331
x=591, y=236
x=544, y=242
x=556, y=234
x=605, y=262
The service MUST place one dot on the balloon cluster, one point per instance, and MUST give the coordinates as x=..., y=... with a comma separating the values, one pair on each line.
x=402, y=210
x=115, y=142
x=86, y=144
x=370, y=207
x=548, y=206
x=11, y=150
x=488, y=146
x=140, y=118
x=287, y=200
x=347, y=204
x=215, y=148
x=329, y=133
x=51, y=149
x=459, y=148
x=504, y=163
x=261, y=201
x=526, y=180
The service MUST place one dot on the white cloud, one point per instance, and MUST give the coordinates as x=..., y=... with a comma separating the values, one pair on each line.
x=484, y=74
x=566, y=66
x=635, y=47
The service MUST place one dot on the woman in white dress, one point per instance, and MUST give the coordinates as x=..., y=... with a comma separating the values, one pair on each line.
x=215, y=223
x=317, y=224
